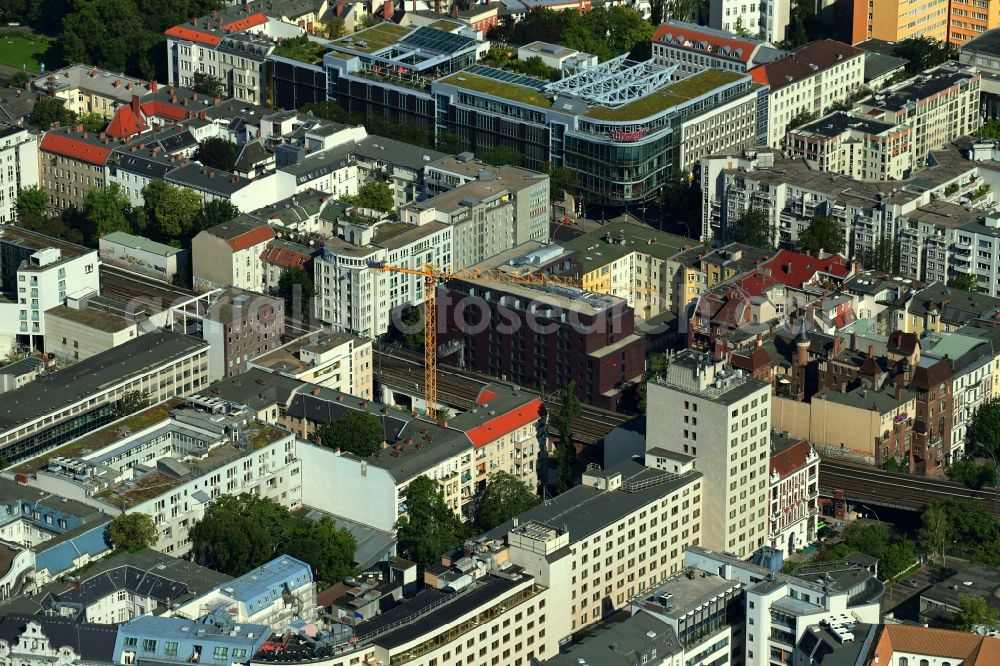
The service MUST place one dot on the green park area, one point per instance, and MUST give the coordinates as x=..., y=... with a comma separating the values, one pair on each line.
x=23, y=51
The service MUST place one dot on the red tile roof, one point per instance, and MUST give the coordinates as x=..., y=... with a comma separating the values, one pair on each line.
x=791, y=459
x=802, y=63
x=691, y=37
x=164, y=110
x=926, y=642
x=192, y=35
x=250, y=238
x=485, y=396
x=505, y=423
x=285, y=256
x=126, y=123
x=793, y=269
x=246, y=22
x=74, y=148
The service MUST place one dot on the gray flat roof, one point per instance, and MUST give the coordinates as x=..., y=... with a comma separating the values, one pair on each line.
x=619, y=644
x=584, y=510
x=404, y=154
x=56, y=390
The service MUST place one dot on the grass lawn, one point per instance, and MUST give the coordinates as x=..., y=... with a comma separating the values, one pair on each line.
x=23, y=52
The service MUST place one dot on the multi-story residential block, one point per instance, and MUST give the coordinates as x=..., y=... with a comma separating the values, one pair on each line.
x=939, y=105
x=723, y=419
x=72, y=402
x=736, y=124
x=982, y=53
x=176, y=640
x=39, y=639
x=354, y=298
x=198, y=452
x=18, y=167
x=401, y=165
x=241, y=325
x=781, y=608
x=641, y=636
x=894, y=21
x=695, y=48
x=275, y=594
x=71, y=162
x=332, y=360
x=504, y=433
x=794, y=493
x=212, y=184
x=937, y=308
x=505, y=206
x=808, y=80
x=86, y=89
x=88, y=326
x=622, y=531
x=545, y=337
x=229, y=254
x=855, y=146
x=142, y=255
x=38, y=273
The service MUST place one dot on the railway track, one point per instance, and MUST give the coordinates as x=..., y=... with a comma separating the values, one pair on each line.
x=891, y=488
x=459, y=388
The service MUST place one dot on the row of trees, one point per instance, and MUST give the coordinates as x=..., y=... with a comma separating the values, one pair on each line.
x=896, y=554
x=605, y=32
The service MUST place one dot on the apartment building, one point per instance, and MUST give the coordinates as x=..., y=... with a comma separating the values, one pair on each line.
x=855, y=146
x=601, y=543
x=86, y=89
x=939, y=105
x=503, y=207
x=71, y=162
x=229, y=254
x=722, y=419
x=241, y=325
x=780, y=608
x=794, y=493
x=897, y=20
x=88, y=326
x=38, y=273
x=504, y=432
x=695, y=48
x=981, y=52
x=735, y=125
x=808, y=80
x=71, y=402
x=18, y=167
x=352, y=297
x=172, y=468
x=399, y=164
x=332, y=360
x=545, y=337
x=171, y=640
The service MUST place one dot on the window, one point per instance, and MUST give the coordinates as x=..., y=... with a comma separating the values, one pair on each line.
x=170, y=648
x=148, y=645
x=220, y=652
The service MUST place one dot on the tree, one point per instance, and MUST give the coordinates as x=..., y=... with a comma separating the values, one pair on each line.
x=963, y=282
x=130, y=403
x=356, y=432
x=107, y=33
x=543, y=25
x=217, y=153
x=985, y=427
x=206, y=84
x=991, y=130
x=47, y=111
x=822, y=233
x=924, y=52
x=870, y=539
x=335, y=28
x=606, y=32
x=31, y=200
x=896, y=559
x=295, y=286
x=365, y=22
x=18, y=79
x=502, y=155
x=171, y=210
x=376, y=195
x=327, y=548
x=562, y=420
x=802, y=118
x=410, y=327
x=93, y=122
x=974, y=610
x=504, y=497
x=970, y=527
x=753, y=228
x=430, y=528
x=107, y=209
x=238, y=533
x=327, y=111
x=450, y=142
x=132, y=532
x=934, y=531
x=563, y=179
x=213, y=213
x=971, y=473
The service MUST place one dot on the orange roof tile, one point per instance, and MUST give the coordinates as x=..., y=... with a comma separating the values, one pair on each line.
x=192, y=35
x=250, y=238
x=67, y=146
x=794, y=269
x=505, y=423
x=739, y=49
x=485, y=396
x=246, y=22
x=791, y=459
x=126, y=123
x=977, y=650
x=164, y=110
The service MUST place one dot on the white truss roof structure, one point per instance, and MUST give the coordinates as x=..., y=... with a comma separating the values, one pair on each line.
x=613, y=82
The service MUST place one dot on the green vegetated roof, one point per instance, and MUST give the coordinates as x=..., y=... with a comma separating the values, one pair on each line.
x=667, y=96
x=497, y=88
x=376, y=37
x=445, y=24
x=309, y=52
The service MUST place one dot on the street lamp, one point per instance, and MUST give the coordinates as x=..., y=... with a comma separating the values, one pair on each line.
x=868, y=508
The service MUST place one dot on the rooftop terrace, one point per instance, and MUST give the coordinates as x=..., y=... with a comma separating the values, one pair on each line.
x=667, y=97
x=374, y=38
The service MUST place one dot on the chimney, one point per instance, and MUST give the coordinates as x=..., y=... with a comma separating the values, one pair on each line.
x=202, y=115
x=871, y=351
x=899, y=391
x=854, y=340
x=103, y=135
x=836, y=344
x=79, y=127
x=388, y=9
x=136, y=107
x=173, y=98
x=217, y=101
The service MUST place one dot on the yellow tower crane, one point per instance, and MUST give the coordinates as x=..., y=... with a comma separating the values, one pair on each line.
x=432, y=277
